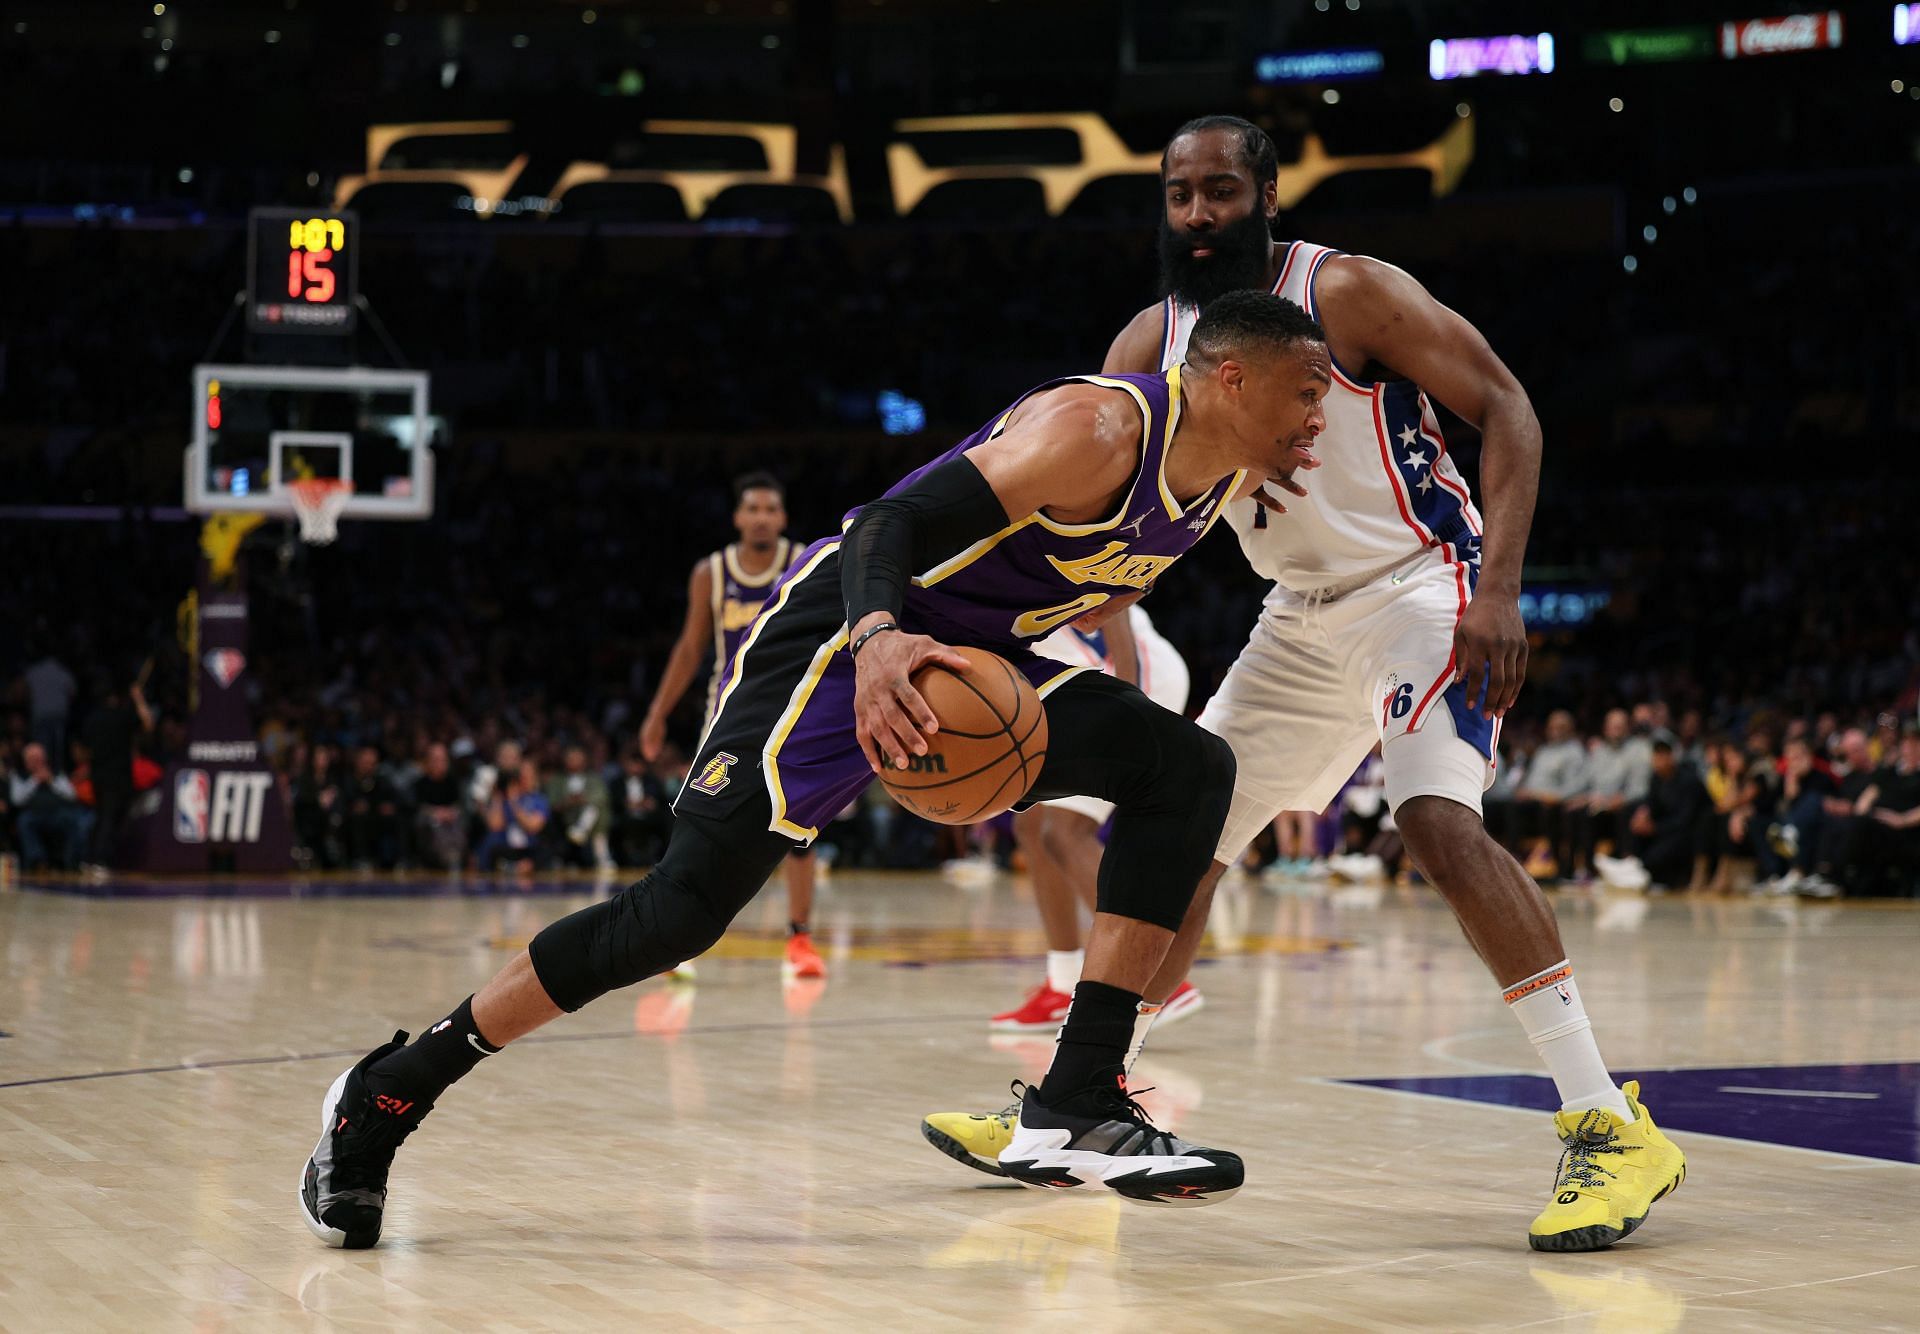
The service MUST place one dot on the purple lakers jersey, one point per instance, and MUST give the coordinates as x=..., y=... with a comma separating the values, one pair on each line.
x=736, y=599
x=1035, y=575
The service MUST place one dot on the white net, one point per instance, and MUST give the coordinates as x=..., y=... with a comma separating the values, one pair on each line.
x=318, y=502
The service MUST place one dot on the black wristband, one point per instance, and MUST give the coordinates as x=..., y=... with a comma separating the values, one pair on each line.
x=854, y=649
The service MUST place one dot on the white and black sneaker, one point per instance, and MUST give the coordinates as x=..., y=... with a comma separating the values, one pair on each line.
x=1106, y=1139
x=343, y=1188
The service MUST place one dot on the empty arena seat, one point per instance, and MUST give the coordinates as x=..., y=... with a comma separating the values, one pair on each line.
x=1392, y=187
x=622, y=201
x=983, y=201
x=774, y=203
x=1124, y=199
x=414, y=201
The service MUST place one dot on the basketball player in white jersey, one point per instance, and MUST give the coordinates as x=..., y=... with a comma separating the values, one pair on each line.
x=1061, y=839
x=1393, y=618
x=725, y=592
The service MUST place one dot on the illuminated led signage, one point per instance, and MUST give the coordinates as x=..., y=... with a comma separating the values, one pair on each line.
x=1467, y=57
x=1906, y=24
x=1645, y=46
x=1769, y=37
x=1319, y=66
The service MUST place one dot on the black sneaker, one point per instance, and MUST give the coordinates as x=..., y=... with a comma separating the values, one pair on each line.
x=343, y=1189
x=1105, y=1138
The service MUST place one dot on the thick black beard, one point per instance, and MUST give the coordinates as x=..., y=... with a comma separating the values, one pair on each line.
x=1238, y=262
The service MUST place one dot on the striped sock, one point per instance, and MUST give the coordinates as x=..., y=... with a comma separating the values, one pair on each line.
x=1549, y=1009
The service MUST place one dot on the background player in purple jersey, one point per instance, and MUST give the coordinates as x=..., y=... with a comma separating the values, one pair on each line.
x=1394, y=620
x=724, y=593
x=1069, y=502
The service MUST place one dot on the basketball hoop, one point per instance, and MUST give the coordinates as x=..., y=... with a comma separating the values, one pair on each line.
x=318, y=502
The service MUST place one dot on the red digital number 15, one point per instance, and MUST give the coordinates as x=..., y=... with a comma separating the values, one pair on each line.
x=308, y=277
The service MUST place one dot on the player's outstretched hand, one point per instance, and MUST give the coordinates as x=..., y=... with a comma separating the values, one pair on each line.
x=1092, y=622
x=1267, y=500
x=1490, y=649
x=891, y=720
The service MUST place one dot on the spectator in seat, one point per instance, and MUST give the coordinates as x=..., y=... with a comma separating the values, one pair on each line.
x=439, y=836
x=318, y=813
x=1619, y=770
x=516, y=820
x=1556, y=775
x=1805, y=788
x=372, y=814
x=582, y=811
x=1887, y=843
x=1663, y=829
x=1842, y=810
x=47, y=814
x=645, y=819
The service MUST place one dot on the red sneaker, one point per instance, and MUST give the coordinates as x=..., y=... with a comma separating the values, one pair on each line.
x=1185, y=1000
x=803, y=958
x=1043, y=1009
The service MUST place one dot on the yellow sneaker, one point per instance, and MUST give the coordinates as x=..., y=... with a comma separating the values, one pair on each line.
x=973, y=1138
x=1609, y=1176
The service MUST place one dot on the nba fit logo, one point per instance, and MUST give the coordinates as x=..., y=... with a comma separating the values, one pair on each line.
x=715, y=774
x=221, y=808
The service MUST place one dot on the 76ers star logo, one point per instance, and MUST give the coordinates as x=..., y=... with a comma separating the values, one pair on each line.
x=226, y=664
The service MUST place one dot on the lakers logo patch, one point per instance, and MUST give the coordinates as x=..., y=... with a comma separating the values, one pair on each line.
x=715, y=774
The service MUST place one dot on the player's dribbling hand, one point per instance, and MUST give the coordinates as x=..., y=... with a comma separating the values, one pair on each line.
x=890, y=719
x=1490, y=649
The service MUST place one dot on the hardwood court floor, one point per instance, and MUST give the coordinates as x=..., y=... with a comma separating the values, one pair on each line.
x=738, y=1154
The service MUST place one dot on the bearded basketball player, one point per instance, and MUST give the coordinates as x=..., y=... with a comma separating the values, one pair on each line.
x=725, y=592
x=1393, y=618
x=1070, y=502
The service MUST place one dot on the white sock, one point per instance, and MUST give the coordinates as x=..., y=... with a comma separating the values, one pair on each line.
x=1141, y=1023
x=1063, y=969
x=1549, y=1009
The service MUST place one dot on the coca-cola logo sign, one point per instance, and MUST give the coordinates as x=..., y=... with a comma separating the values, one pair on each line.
x=1795, y=32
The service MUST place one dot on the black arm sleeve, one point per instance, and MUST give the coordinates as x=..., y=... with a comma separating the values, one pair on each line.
x=949, y=509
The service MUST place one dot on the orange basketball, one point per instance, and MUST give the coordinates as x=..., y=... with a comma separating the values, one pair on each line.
x=990, y=747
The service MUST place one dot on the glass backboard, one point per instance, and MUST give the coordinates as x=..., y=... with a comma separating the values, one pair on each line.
x=257, y=428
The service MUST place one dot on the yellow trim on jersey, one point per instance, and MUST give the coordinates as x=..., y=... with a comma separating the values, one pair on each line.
x=1172, y=375
x=1220, y=505
x=730, y=554
x=1053, y=683
x=717, y=603
x=740, y=654
x=796, y=705
x=957, y=563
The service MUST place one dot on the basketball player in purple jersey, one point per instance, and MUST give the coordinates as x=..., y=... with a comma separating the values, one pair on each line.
x=1068, y=503
x=1393, y=619
x=725, y=592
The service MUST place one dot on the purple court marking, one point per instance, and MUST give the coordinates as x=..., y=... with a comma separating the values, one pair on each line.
x=1869, y=1111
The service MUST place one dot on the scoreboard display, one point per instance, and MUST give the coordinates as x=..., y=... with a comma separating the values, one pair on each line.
x=300, y=271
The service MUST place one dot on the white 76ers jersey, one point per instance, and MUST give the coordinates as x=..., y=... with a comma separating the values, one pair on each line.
x=1385, y=488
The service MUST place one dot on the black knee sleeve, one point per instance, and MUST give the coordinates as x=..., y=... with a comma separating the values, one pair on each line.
x=677, y=912
x=1166, y=829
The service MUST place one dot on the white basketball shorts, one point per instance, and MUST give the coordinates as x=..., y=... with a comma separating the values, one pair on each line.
x=1325, y=676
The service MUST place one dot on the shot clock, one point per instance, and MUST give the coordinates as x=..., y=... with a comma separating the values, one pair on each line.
x=300, y=271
